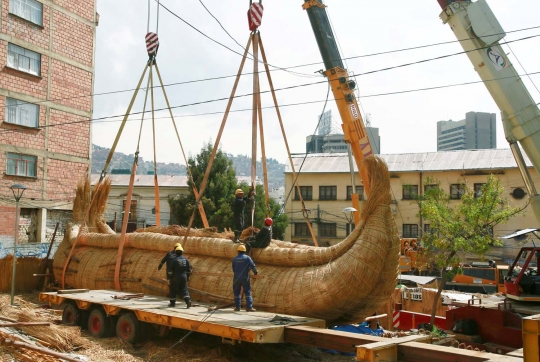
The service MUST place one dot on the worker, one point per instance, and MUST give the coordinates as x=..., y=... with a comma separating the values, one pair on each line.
x=241, y=265
x=238, y=210
x=263, y=238
x=179, y=283
x=169, y=259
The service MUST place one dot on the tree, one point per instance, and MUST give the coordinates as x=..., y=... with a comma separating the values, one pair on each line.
x=219, y=196
x=219, y=188
x=462, y=227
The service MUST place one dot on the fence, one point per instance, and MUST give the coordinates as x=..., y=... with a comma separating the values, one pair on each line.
x=26, y=267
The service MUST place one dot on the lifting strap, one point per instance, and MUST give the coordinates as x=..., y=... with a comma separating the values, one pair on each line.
x=304, y=211
x=216, y=144
x=156, y=184
x=190, y=175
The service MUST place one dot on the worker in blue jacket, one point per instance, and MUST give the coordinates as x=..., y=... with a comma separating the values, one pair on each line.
x=241, y=265
x=180, y=277
x=168, y=259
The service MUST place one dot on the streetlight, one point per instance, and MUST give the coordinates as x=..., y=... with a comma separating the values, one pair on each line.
x=18, y=191
x=350, y=219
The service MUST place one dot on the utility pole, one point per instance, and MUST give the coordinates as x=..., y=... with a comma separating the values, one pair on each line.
x=318, y=224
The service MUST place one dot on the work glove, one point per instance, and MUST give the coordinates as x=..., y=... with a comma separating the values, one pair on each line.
x=160, y=266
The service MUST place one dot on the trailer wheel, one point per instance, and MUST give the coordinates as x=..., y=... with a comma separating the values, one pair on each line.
x=71, y=316
x=128, y=328
x=98, y=323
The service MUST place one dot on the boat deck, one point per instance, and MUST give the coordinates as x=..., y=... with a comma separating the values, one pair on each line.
x=254, y=327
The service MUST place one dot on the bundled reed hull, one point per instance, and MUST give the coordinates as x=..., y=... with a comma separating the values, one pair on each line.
x=342, y=283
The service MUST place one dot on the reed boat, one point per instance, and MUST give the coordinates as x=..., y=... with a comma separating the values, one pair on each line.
x=342, y=283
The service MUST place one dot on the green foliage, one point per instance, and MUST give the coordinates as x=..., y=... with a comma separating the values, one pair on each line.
x=462, y=225
x=218, y=196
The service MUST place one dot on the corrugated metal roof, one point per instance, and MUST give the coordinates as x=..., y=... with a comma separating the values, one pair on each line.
x=492, y=159
x=145, y=180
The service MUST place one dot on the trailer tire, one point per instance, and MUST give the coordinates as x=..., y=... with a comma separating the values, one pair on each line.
x=129, y=328
x=98, y=323
x=71, y=316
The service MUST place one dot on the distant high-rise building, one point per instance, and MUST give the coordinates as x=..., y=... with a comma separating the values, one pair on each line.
x=329, y=138
x=476, y=131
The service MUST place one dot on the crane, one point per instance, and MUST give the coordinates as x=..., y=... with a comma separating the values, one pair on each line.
x=343, y=90
x=479, y=33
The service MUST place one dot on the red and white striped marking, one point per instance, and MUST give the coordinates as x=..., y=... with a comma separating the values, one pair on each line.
x=395, y=319
x=152, y=43
x=255, y=14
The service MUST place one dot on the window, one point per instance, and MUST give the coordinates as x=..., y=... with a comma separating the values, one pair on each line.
x=301, y=229
x=327, y=229
x=22, y=113
x=429, y=230
x=430, y=187
x=23, y=59
x=410, y=192
x=349, y=228
x=456, y=191
x=307, y=193
x=30, y=10
x=327, y=192
x=21, y=165
x=132, y=210
x=478, y=190
x=410, y=230
x=359, y=191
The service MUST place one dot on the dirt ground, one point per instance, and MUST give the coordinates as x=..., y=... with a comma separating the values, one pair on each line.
x=196, y=347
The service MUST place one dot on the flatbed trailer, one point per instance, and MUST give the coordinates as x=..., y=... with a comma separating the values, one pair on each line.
x=130, y=315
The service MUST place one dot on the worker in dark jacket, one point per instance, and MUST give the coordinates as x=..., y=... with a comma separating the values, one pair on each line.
x=238, y=212
x=168, y=259
x=263, y=238
x=180, y=277
x=241, y=265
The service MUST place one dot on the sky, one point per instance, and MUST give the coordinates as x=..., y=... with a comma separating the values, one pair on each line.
x=407, y=121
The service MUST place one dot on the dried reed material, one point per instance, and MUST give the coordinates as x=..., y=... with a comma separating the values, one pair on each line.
x=61, y=338
x=345, y=282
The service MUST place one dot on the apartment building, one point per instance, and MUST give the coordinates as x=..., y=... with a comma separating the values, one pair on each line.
x=326, y=188
x=477, y=131
x=46, y=79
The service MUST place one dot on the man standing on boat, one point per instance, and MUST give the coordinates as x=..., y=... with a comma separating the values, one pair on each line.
x=180, y=277
x=263, y=238
x=238, y=210
x=168, y=259
x=241, y=265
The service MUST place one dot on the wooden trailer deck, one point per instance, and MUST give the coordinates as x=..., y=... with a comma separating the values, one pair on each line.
x=254, y=327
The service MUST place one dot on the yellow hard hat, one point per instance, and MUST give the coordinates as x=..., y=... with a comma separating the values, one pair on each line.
x=179, y=247
x=241, y=248
x=238, y=191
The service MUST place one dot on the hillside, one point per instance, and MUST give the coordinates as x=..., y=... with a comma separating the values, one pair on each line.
x=121, y=163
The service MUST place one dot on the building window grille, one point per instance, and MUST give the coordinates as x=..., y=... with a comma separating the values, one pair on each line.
x=307, y=193
x=21, y=165
x=410, y=230
x=22, y=113
x=23, y=59
x=301, y=229
x=410, y=192
x=327, y=192
x=132, y=210
x=478, y=190
x=359, y=191
x=456, y=191
x=30, y=10
x=327, y=229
